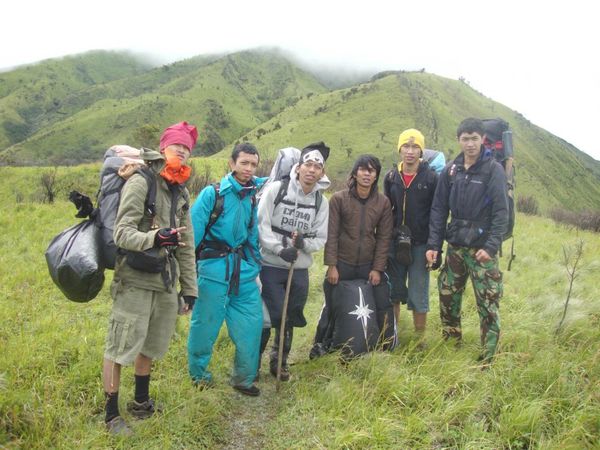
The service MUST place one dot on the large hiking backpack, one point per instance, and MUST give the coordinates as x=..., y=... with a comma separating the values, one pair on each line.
x=77, y=257
x=120, y=161
x=286, y=158
x=436, y=159
x=498, y=140
x=354, y=318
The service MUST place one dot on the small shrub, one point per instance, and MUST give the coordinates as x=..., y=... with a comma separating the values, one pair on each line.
x=561, y=216
x=584, y=220
x=589, y=220
x=527, y=205
x=49, y=186
x=19, y=197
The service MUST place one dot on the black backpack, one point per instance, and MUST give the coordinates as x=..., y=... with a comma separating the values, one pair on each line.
x=112, y=181
x=499, y=141
x=355, y=329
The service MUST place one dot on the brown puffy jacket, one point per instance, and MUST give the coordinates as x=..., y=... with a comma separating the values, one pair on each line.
x=359, y=232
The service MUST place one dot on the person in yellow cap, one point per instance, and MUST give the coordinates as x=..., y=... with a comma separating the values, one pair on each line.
x=410, y=188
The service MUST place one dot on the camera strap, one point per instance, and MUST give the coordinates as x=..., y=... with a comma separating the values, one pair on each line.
x=406, y=186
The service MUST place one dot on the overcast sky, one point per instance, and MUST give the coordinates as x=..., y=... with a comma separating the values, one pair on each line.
x=538, y=58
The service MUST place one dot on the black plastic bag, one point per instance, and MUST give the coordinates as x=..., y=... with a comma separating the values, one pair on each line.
x=73, y=259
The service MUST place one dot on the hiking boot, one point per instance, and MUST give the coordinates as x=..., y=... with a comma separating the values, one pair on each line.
x=251, y=390
x=285, y=373
x=118, y=427
x=143, y=410
x=317, y=350
x=485, y=361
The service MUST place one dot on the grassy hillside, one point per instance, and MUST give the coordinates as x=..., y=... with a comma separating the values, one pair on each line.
x=368, y=118
x=69, y=111
x=35, y=96
x=224, y=96
x=541, y=392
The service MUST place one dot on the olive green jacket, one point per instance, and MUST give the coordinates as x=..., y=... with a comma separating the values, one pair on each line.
x=135, y=230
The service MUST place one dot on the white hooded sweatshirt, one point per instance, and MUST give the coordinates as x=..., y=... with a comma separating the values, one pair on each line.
x=295, y=212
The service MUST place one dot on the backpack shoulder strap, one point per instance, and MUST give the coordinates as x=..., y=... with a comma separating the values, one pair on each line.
x=217, y=208
x=318, y=201
x=285, y=183
x=253, y=203
x=216, y=212
x=150, y=204
x=282, y=191
x=186, y=197
x=488, y=169
x=451, y=167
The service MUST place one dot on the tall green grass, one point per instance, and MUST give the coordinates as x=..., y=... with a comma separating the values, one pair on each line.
x=543, y=391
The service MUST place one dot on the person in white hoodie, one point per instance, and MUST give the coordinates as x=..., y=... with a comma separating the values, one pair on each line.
x=289, y=232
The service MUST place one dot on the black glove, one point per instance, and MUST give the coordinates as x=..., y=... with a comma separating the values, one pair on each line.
x=299, y=241
x=189, y=300
x=289, y=254
x=438, y=261
x=165, y=237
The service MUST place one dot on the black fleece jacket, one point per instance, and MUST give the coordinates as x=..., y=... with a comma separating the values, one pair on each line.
x=477, y=202
x=419, y=196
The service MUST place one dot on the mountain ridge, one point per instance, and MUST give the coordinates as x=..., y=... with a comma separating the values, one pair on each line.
x=70, y=110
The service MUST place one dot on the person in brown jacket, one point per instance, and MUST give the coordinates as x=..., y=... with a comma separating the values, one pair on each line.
x=358, y=241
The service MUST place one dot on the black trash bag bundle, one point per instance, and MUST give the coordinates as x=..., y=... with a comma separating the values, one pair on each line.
x=355, y=327
x=73, y=261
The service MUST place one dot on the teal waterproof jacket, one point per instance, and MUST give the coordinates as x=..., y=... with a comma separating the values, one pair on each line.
x=236, y=227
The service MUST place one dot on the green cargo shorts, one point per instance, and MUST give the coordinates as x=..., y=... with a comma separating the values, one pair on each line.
x=141, y=321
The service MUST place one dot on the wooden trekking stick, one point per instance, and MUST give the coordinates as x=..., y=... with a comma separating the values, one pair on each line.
x=286, y=299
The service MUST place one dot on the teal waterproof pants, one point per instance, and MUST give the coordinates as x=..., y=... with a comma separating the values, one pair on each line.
x=243, y=315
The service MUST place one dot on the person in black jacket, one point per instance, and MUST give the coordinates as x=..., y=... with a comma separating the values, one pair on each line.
x=410, y=188
x=472, y=189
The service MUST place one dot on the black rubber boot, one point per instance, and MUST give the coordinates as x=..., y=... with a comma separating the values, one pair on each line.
x=287, y=345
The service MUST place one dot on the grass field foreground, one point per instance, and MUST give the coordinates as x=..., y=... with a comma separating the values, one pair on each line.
x=543, y=390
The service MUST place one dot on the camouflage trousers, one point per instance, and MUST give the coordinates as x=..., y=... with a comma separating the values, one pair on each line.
x=487, y=282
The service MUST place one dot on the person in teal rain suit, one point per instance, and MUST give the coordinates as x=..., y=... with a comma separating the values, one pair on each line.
x=228, y=263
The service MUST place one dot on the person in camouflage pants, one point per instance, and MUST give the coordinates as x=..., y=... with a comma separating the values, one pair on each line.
x=471, y=191
x=487, y=283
